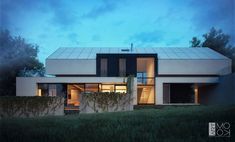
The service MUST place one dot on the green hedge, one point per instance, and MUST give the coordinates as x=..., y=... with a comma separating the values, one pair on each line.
x=105, y=102
x=11, y=106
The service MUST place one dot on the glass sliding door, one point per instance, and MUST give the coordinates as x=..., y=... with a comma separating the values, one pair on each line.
x=73, y=94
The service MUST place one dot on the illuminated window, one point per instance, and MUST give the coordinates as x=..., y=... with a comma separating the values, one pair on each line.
x=91, y=87
x=145, y=94
x=74, y=94
x=107, y=88
x=146, y=80
x=120, y=88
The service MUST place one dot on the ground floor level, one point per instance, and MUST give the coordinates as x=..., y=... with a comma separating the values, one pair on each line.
x=158, y=91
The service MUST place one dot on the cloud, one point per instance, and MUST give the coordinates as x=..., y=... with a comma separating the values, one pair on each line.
x=216, y=13
x=64, y=15
x=58, y=12
x=13, y=12
x=73, y=37
x=107, y=7
x=95, y=38
x=42, y=36
x=147, y=37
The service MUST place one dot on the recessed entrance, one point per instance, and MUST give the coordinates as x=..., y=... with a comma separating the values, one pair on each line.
x=185, y=93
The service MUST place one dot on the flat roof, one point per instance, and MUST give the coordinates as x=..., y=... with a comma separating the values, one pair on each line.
x=163, y=52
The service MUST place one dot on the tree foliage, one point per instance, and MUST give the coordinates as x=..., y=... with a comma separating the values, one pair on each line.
x=17, y=58
x=218, y=41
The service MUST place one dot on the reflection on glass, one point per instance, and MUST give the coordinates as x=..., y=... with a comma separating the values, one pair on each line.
x=47, y=89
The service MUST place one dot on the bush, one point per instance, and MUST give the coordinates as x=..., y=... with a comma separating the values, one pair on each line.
x=105, y=102
x=30, y=106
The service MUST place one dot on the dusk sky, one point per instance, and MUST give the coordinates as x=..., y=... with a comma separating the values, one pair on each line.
x=114, y=23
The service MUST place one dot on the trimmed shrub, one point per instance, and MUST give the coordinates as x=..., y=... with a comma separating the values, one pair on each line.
x=12, y=106
x=105, y=102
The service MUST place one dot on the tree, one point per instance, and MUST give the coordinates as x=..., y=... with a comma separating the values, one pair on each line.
x=195, y=42
x=17, y=58
x=218, y=41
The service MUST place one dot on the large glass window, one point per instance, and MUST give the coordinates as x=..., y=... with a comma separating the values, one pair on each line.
x=145, y=71
x=107, y=88
x=146, y=80
x=145, y=94
x=103, y=67
x=74, y=94
x=92, y=87
x=46, y=89
x=113, y=88
x=120, y=88
x=122, y=67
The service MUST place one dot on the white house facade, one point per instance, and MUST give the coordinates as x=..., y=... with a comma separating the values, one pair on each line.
x=161, y=75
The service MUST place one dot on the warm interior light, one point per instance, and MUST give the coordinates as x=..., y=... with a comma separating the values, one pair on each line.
x=121, y=89
x=196, y=95
x=107, y=88
x=39, y=92
x=74, y=97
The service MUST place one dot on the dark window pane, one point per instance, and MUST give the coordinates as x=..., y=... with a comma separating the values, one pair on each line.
x=103, y=67
x=122, y=67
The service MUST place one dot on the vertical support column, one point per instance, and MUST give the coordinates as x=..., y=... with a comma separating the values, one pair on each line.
x=135, y=91
x=159, y=92
x=196, y=94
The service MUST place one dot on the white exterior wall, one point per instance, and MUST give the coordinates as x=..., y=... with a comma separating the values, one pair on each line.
x=26, y=86
x=194, y=67
x=160, y=80
x=71, y=66
x=165, y=66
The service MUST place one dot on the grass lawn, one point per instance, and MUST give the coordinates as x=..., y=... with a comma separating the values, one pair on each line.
x=167, y=124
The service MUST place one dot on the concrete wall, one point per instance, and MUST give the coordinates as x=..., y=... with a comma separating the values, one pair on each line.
x=161, y=80
x=194, y=67
x=70, y=67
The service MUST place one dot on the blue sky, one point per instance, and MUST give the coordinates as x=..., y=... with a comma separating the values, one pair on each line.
x=114, y=23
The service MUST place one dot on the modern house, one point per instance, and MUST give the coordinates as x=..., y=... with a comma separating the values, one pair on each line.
x=162, y=75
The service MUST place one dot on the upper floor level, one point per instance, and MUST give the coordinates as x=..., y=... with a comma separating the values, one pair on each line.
x=145, y=62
